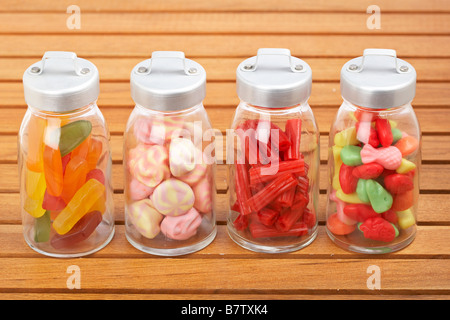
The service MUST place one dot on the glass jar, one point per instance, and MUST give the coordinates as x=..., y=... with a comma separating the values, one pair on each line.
x=273, y=158
x=169, y=158
x=374, y=156
x=64, y=159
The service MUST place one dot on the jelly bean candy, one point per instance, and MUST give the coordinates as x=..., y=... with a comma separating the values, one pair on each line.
x=378, y=229
x=361, y=191
x=81, y=203
x=36, y=130
x=398, y=183
x=53, y=171
x=73, y=134
x=384, y=132
x=390, y=216
x=396, y=134
x=337, y=166
x=337, y=227
x=389, y=157
x=380, y=199
x=368, y=171
x=359, y=212
x=407, y=145
x=346, y=137
x=405, y=166
x=42, y=228
x=403, y=201
x=80, y=231
x=350, y=198
x=405, y=219
x=347, y=180
x=351, y=155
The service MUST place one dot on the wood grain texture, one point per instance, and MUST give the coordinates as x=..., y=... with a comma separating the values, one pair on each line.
x=116, y=35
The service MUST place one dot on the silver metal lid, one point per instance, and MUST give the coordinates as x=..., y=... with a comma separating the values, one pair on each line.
x=61, y=82
x=273, y=79
x=378, y=80
x=168, y=82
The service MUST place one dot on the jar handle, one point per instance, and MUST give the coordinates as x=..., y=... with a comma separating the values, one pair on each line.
x=60, y=55
x=274, y=52
x=175, y=55
x=377, y=52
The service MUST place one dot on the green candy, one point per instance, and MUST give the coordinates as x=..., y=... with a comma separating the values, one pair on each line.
x=396, y=134
x=73, y=134
x=361, y=191
x=42, y=227
x=380, y=199
x=351, y=156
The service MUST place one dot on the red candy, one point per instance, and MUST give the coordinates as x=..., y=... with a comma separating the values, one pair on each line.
x=378, y=229
x=368, y=171
x=359, y=212
x=347, y=180
x=403, y=201
x=52, y=203
x=384, y=132
x=373, y=136
x=390, y=216
x=96, y=174
x=398, y=183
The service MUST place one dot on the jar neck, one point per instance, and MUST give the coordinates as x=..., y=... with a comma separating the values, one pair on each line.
x=184, y=112
x=73, y=113
x=396, y=109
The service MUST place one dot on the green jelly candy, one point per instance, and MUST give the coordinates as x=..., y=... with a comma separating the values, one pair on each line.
x=361, y=191
x=42, y=227
x=73, y=134
x=351, y=156
x=396, y=134
x=380, y=199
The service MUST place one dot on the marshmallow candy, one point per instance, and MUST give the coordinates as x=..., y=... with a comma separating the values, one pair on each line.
x=148, y=164
x=182, y=154
x=202, y=192
x=145, y=218
x=182, y=227
x=173, y=197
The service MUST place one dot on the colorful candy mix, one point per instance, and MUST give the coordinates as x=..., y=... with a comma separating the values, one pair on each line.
x=376, y=180
x=62, y=182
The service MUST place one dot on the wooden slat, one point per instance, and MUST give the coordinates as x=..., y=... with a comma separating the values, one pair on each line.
x=181, y=274
x=223, y=94
x=224, y=69
x=430, y=242
x=224, y=23
x=224, y=45
x=229, y=5
x=432, y=120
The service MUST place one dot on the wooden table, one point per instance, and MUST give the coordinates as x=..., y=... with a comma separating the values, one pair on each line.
x=116, y=35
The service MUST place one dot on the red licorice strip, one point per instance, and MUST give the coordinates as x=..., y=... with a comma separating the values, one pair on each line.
x=243, y=192
x=288, y=218
x=271, y=191
x=293, y=132
x=287, y=198
x=258, y=230
x=241, y=222
x=309, y=218
x=292, y=166
x=267, y=216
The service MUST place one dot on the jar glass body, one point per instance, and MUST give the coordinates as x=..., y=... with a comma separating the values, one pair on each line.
x=273, y=178
x=373, y=162
x=65, y=181
x=169, y=163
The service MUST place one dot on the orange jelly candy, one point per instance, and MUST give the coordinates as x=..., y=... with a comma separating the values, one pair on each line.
x=74, y=177
x=407, y=145
x=53, y=171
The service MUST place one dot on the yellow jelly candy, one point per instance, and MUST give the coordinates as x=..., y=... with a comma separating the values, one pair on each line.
x=405, y=166
x=405, y=219
x=35, y=184
x=337, y=166
x=346, y=137
x=350, y=198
